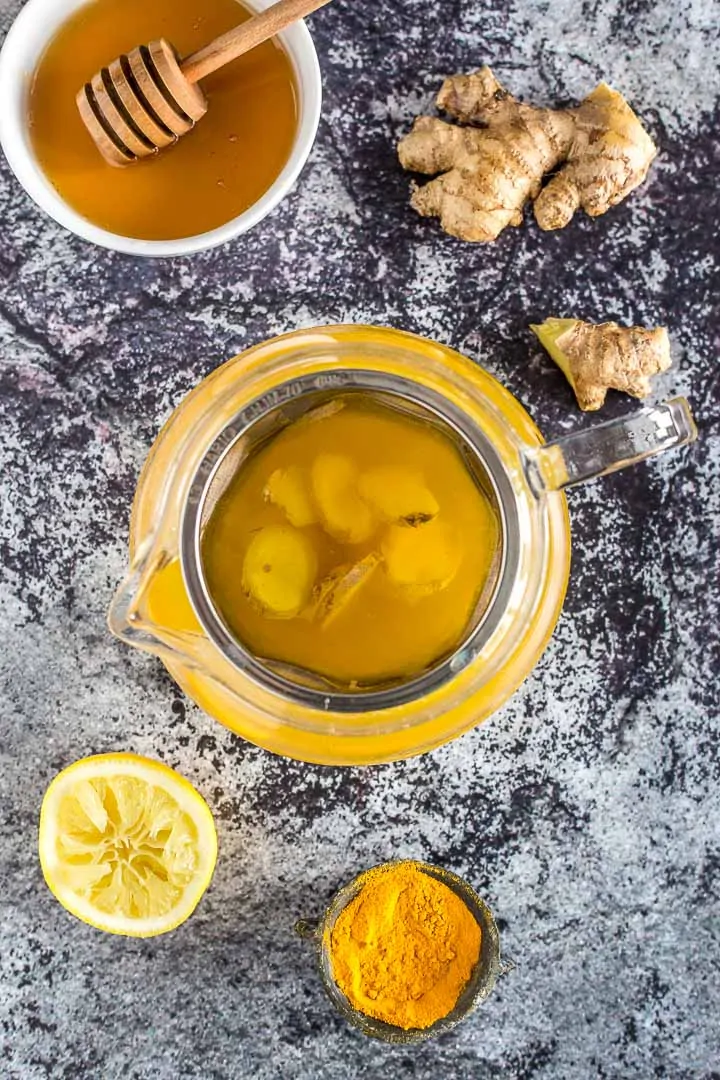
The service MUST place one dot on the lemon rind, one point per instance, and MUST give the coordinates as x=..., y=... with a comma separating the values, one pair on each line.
x=189, y=801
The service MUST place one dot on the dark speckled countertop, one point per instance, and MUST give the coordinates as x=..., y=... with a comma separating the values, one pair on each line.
x=587, y=811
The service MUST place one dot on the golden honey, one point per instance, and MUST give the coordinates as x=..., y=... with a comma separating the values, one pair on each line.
x=211, y=175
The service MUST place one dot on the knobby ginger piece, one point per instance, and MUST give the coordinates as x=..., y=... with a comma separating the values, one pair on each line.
x=279, y=571
x=290, y=490
x=320, y=412
x=421, y=561
x=609, y=157
x=488, y=172
x=335, y=592
x=602, y=357
x=344, y=514
x=398, y=495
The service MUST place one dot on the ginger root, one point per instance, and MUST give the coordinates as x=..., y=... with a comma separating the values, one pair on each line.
x=344, y=514
x=421, y=561
x=279, y=571
x=398, y=495
x=335, y=592
x=609, y=157
x=488, y=172
x=289, y=489
x=598, y=358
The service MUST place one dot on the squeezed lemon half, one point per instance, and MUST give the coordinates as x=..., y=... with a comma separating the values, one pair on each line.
x=126, y=844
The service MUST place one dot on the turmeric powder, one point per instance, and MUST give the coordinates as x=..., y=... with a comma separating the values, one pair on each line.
x=405, y=947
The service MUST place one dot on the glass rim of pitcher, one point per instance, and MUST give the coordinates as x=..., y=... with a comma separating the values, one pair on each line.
x=349, y=380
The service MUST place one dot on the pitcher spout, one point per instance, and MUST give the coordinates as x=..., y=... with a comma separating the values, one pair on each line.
x=150, y=609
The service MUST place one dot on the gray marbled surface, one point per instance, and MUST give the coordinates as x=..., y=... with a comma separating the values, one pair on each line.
x=587, y=810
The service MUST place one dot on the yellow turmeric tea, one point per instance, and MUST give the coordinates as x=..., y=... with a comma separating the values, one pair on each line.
x=405, y=947
x=213, y=173
x=355, y=544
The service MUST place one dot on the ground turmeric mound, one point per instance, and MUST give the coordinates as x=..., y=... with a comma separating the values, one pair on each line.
x=404, y=948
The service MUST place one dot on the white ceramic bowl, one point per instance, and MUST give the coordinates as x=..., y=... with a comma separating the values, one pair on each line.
x=29, y=35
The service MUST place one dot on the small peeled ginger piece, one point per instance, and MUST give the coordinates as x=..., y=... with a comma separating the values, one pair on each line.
x=602, y=357
x=335, y=592
x=289, y=489
x=344, y=514
x=398, y=495
x=279, y=571
x=421, y=561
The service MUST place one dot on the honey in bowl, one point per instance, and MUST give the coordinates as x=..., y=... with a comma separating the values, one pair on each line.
x=215, y=172
x=356, y=544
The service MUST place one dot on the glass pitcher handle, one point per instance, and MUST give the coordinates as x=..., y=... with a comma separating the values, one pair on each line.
x=604, y=448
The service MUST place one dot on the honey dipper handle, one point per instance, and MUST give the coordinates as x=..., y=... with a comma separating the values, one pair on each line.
x=246, y=36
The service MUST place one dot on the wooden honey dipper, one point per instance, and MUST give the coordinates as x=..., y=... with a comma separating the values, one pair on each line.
x=146, y=99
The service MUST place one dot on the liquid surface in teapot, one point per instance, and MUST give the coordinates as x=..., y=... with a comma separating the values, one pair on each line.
x=356, y=544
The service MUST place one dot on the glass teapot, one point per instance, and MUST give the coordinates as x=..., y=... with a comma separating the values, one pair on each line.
x=164, y=605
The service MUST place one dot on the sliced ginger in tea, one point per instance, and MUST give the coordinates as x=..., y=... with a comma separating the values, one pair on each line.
x=355, y=545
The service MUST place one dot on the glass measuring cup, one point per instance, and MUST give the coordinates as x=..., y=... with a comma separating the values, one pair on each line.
x=165, y=607
x=477, y=990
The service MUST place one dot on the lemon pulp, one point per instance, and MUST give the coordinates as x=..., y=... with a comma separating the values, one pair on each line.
x=126, y=844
